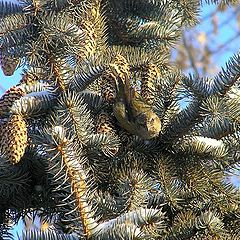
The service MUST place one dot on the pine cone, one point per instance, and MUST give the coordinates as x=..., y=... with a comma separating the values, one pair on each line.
x=9, y=65
x=90, y=45
x=7, y=100
x=121, y=68
x=14, y=138
x=150, y=74
x=108, y=91
x=104, y=124
x=126, y=138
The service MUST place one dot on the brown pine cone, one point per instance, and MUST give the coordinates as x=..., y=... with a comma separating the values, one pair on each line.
x=104, y=124
x=14, y=138
x=149, y=76
x=9, y=65
x=8, y=98
x=108, y=91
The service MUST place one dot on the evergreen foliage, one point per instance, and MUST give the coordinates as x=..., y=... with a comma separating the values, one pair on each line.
x=66, y=157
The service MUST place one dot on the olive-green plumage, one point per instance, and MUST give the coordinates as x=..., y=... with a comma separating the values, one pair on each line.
x=130, y=109
x=137, y=118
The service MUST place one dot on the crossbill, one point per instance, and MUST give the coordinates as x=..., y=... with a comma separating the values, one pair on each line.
x=133, y=113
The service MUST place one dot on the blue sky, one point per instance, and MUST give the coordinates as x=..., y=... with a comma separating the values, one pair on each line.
x=228, y=30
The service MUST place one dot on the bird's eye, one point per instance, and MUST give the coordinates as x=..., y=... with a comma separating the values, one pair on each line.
x=151, y=120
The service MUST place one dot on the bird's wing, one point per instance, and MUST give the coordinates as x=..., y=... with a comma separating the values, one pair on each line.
x=121, y=72
x=138, y=104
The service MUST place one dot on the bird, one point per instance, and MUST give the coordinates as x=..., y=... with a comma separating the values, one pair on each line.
x=132, y=112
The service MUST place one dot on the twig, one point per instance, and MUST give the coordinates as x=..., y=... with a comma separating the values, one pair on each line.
x=191, y=59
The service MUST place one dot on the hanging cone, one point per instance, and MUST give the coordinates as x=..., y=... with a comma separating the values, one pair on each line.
x=108, y=91
x=149, y=76
x=7, y=100
x=90, y=44
x=121, y=69
x=104, y=124
x=14, y=139
x=9, y=65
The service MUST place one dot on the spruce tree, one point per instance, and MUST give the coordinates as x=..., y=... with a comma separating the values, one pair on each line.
x=94, y=139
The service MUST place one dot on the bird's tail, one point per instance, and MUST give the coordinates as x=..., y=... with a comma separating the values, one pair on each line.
x=121, y=71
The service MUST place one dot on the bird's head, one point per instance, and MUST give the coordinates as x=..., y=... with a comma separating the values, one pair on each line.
x=148, y=125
